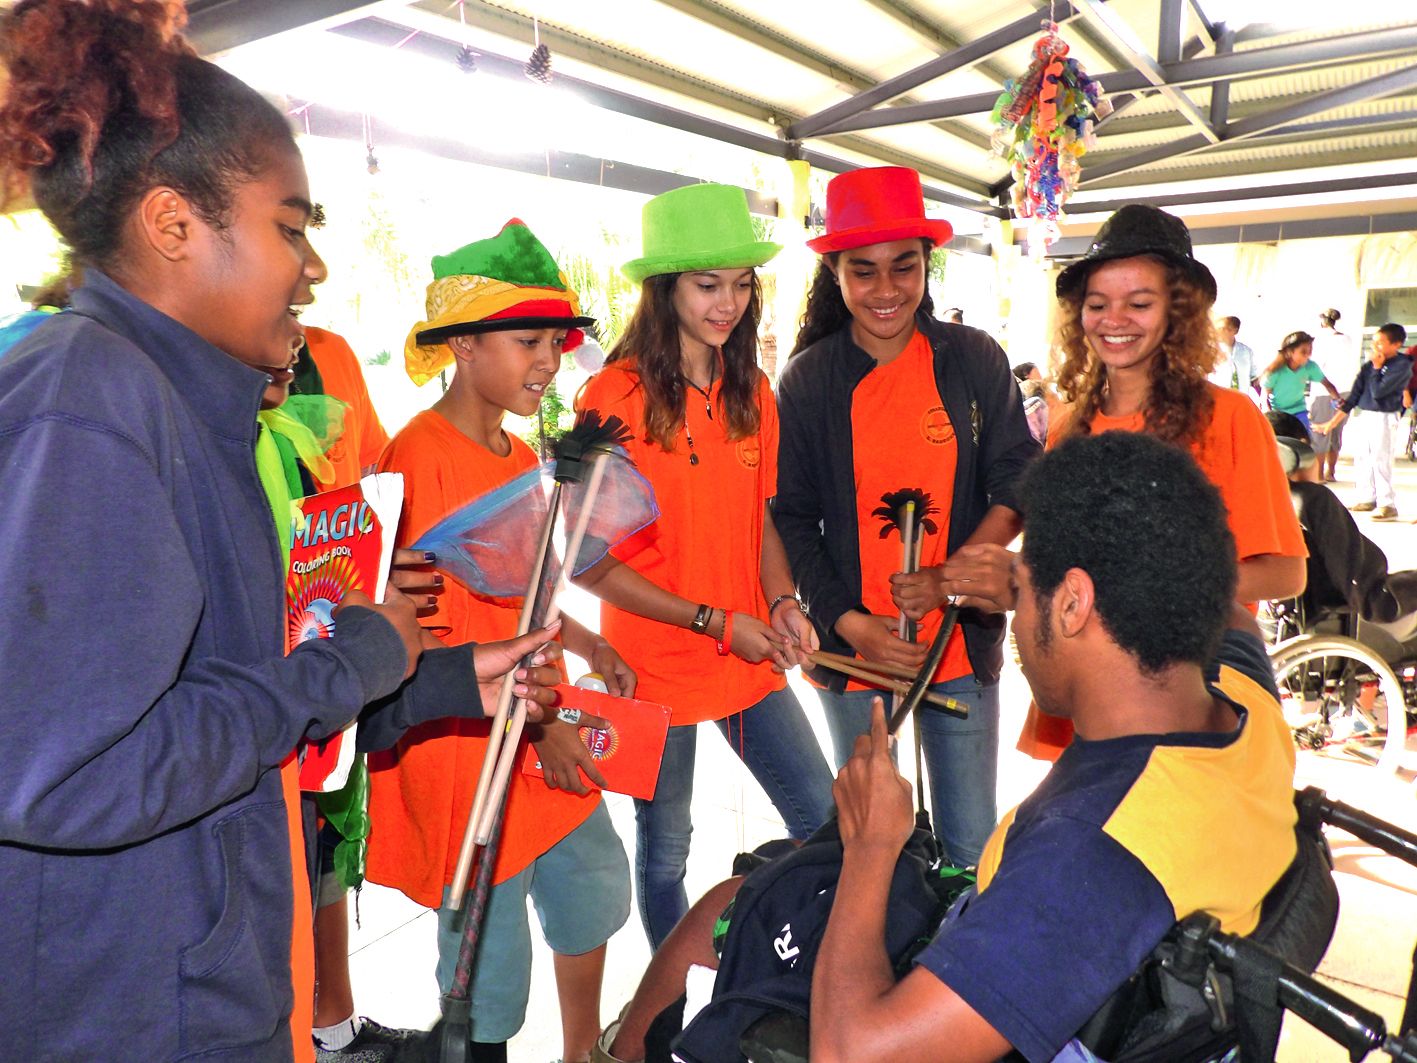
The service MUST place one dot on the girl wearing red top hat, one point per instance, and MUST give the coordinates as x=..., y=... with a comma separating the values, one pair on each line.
x=879, y=397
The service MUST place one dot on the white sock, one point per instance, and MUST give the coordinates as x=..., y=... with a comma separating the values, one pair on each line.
x=333, y=1038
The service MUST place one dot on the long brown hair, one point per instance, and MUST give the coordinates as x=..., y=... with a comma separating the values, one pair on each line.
x=1179, y=405
x=826, y=311
x=650, y=345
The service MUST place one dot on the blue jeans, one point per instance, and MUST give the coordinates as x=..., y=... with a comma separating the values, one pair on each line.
x=775, y=741
x=961, y=759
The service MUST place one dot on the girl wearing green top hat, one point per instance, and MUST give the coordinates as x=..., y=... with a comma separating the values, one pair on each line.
x=703, y=601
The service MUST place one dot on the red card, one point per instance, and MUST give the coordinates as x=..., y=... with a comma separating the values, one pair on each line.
x=628, y=754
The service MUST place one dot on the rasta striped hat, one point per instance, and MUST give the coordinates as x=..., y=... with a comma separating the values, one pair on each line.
x=509, y=281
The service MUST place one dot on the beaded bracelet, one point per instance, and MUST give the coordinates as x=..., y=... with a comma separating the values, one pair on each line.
x=725, y=634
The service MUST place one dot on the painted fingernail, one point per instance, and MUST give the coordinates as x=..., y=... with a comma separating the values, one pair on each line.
x=429, y=555
x=437, y=579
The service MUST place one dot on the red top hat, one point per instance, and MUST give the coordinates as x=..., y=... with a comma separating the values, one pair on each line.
x=876, y=205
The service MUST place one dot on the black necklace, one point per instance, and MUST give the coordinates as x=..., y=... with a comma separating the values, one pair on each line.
x=708, y=409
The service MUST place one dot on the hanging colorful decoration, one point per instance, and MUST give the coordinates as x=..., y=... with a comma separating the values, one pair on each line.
x=1042, y=126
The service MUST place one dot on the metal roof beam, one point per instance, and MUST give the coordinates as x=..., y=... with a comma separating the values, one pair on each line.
x=932, y=34
x=384, y=33
x=1123, y=100
x=1123, y=36
x=967, y=55
x=1399, y=80
x=337, y=124
x=1222, y=167
x=220, y=25
x=791, y=49
x=1168, y=33
x=1220, y=90
x=1267, y=191
x=1258, y=62
x=1264, y=232
x=1208, y=28
x=574, y=46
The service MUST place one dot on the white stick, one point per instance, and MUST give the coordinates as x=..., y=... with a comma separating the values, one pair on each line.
x=511, y=747
x=499, y=719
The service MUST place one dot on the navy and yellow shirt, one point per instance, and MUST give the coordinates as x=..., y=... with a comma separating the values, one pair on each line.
x=1123, y=838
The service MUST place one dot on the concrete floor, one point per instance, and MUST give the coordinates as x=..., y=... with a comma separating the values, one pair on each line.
x=393, y=951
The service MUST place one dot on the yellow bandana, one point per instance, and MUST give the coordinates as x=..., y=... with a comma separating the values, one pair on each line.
x=464, y=299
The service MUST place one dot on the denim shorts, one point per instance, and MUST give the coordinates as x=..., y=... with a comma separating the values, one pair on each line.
x=580, y=888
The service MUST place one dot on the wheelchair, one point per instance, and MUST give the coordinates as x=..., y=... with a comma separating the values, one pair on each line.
x=1348, y=685
x=1204, y=996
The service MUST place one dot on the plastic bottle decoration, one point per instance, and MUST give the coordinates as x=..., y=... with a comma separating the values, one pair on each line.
x=1042, y=125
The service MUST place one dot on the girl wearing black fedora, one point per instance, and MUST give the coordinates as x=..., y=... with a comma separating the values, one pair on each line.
x=1137, y=345
x=878, y=397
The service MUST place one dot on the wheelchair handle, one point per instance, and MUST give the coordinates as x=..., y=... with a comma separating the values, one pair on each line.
x=1354, y=1027
x=1316, y=807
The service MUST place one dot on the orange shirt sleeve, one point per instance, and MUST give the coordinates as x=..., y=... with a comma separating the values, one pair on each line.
x=1252, y=482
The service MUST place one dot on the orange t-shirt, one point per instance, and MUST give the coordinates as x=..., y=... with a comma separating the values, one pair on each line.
x=364, y=438
x=1238, y=455
x=421, y=791
x=901, y=437
x=706, y=546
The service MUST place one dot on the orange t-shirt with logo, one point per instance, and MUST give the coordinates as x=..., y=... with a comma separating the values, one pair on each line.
x=421, y=791
x=1237, y=454
x=364, y=438
x=902, y=437
x=706, y=546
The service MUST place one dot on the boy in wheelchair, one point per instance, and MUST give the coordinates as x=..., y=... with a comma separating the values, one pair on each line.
x=1176, y=798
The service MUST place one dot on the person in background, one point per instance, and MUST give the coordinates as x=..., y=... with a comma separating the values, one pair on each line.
x=1346, y=569
x=953, y=316
x=327, y=366
x=1378, y=394
x=1286, y=379
x=1236, y=367
x=1338, y=356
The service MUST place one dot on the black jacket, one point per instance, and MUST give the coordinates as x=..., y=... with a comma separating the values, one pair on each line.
x=815, y=507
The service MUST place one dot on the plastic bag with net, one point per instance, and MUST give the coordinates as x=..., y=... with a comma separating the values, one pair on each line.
x=490, y=544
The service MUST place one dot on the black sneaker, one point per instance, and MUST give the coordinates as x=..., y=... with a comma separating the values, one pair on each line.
x=373, y=1044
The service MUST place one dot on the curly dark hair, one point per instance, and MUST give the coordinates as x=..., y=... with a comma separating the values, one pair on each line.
x=107, y=100
x=1180, y=404
x=826, y=311
x=650, y=344
x=1141, y=519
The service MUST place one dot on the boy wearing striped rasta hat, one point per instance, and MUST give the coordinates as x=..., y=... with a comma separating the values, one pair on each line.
x=502, y=310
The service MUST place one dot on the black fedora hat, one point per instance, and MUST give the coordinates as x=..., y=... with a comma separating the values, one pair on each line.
x=1139, y=229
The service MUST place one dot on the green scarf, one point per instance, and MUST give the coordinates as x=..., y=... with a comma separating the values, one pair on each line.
x=299, y=431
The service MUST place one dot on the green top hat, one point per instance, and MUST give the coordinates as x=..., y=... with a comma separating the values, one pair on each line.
x=698, y=227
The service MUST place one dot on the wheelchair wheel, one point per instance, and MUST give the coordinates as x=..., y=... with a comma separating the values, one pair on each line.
x=1346, y=698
